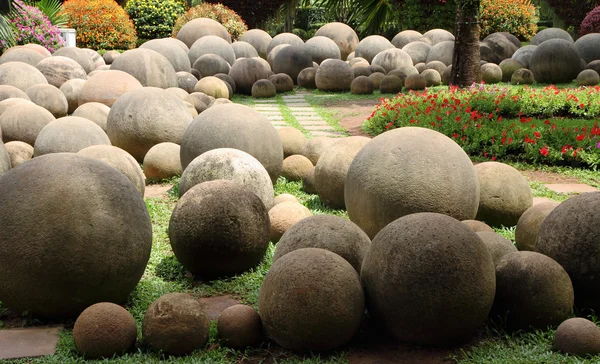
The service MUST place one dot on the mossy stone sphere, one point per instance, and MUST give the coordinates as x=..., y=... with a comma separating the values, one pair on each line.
x=555, y=61
x=529, y=224
x=296, y=167
x=283, y=216
x=282, y=82
x=522, y=76
x=391, y=84
x=478, y=226
x=263, y=89
x=508, y=67
x=437, y=270
x=176, y=324
x=307, y=78
x=240, y=326
x=311, y=300
x=362, y=85
x=96, y=235
x=498, y=245
x=334, y=75
x=219, y=228
x=491, y=73
x=588, y=78
x=532, y=291
x=69, y=134
x=162, y=162
x=578, y=336
x=104, y=330
x=19, y=153
x=376, y=77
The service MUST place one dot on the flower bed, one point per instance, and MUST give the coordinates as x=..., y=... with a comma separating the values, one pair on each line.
x=549, y=125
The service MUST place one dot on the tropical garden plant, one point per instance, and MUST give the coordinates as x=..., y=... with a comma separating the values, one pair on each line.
x=234, y=24
x=154, y=18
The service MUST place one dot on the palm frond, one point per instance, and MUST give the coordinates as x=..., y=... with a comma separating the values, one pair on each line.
x=6, y=32
x=52, y=10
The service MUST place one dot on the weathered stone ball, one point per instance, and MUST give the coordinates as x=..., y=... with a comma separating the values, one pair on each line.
x=142, y=118
x=211, y=64
x=405, y=37
x=172, y=51
x=227, y=79
x=97, y=59
x=147, y=66
x=532, y=291
x=529, y=224
x=78, y=55
x=50, y=98
x=308, y=183
x=314, y=148
x=291, y=60
x=436, y=65
x=362, y=85
x=186, y=81
x=376, y=77
x=69, y=134
x=478, y=226
x=200, y=27
x=292, y=140
x=491, y=73
x=213, y=86
x=508, y=67
x=523, y=55
x=24, y=122
x=343, y=35
x=555, y=61
x=415, y=82
x=11, y=92
x=107, y=87
x=438, y=35
x=387, y=179
x=447, y=295
x=420, y=67
x=162, y=162
x=578, y=336
x=296, y=167
x=120, y=160
x=551, y=33
x=370, y=46
x=334, y=75
x=522, y=76
x=245, y=72
x=240, y=326
x=391, y=84
x=498, y=245
x=284, y=197
x=94, y=111
x=447, y=75
x=587, y=46
x=311, y=300
x=201, y=101
x=111, y=257
x=110, y=56
x=72, y=91
x=219, y=228
x=393, y=58
x=259, y=39
x=234, y=126
x=263, y=89
x=403, y=71
x=243, y=50
x=283, y=216
x=211, y=45
x=20, y=75
x=307, y=78
x=332, y=168
x=441, y=52
x=361, y=71
x=284, y=38
x=104, y=330
x=19, y=152
x=588, y=78
x=504, y=194
x=432, y=77
x=417, y=51
x=5, y=159
x=282, y=82
x=321, y=48
x=497, y=47
x=176, y=324
x=21, y=54
x=273, y=53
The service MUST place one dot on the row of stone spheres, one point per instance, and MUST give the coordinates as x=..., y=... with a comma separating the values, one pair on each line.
x=418, y=252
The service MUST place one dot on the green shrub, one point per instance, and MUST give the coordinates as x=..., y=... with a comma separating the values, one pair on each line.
x=228, y=18
x=154, y=18
x=423, y=15
x=517, y=17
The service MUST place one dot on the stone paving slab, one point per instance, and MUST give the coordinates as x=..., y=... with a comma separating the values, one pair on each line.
x=307, y=116
x=265, y=101
x=266, y=107
x=298, y=105
x=28, y=342
x=319, y=127
x=327, y=134
x=570, y=187
x=538, y=200
x=314, y=122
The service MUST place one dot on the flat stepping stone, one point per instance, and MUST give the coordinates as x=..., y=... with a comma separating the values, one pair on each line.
x=570, y=187
x=296, y=105
x=539, y=200
x=156, y=190
x=28, y=342
x=319, y=127
x=327, y=134
x=314, y=123
x=217, y=304
x=266, y=107
x=293, y=97
x=265, y=101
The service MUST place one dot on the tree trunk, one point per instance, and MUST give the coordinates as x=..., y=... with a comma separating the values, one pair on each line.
x=465, y=61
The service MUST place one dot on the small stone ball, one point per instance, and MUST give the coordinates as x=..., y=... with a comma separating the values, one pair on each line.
x=72, y=91
x=522, y=76
x=314, y=148
x=22, y=75
x=212, y=86
x=478, y=226
x=491, y=73
x=284, y=197
x=107, y=87
x=498, y=245
x=432, y=77
x=308, y=183
x=243, y=50
x=296, y=167
x=211, y=64
x=362, y=85
x=110, y=56
x=588, y=78
x=162, y=162
x=360, y=71
x=376, y=77
x=292, y=140
x=19, y=152
x=186, y=81
x=245, y=72
x=391, y=84
x=263, y=89
x=283, y=216
x=24, y=122
x=240, y=326
x=104, y=330
x=508, y=67
x=94, y=111
x=50, y=98
x=334, y=75
x=307, y=78
x=415, y=82
x=228, y=80
x=578, y=336
x=282, y=82
x=149, y=67
x=176, y=324
x=529, y=224
x=69, y=134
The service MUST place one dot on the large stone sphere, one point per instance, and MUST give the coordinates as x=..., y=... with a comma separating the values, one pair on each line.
x=243, y=50
x=97, y=59
x=229, y=164
x=234, y=126
x=523, y=55
x=57, y=70
x=307, y=78
x=107, y=87
x=555, y=61
x=104, y=330
x=504, y=194
x=415, y=82
x=263, y=89
x=409, y=170
x=284, y=38
x=478, y=226
x=441, y=52
x=291, y=60
x=567, y=236
x=69, y=134
x=332, y=168
x=21, y=54
x=120, y=160
x=344, y=37
x=186, y=81
x=162, y=162
x=259, y=39
x=588, y=47
x=311, y=300
x=362, y=85
x=405, y=37
x=501, y=47
x=417, y=51
x=240, y=326
x=491, y=73
x=432, y=77
x=438, y=35
x=172, y=51
x=202, y=234
x=24, y=122
x=19, y=153
x=72, y=91
x=78, y=55
x=11, y=92
x=551, y=33
x=201, y=27
x=5, y=159
x=328, y=232
x=529, y=224
x=20, y=75
x=94, y=111
x=370, y=46
x=578, y=336
x=314, y=148
x=292, y=140
x=391, y=59
x=91, y=246
x=532, y=291
x=50, y=98
x=588, y=78
x=334, y=75
x=142, y=118
x=147, y=66
x=498, y=245
x=437, y=270
x=176, y=324
x=245, y=72
x=322, y=48
x=273, y=53
x=211, y=45
x=283, y=216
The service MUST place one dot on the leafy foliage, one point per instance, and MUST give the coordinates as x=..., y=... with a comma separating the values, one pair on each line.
x=253, y=12
x=100, y=24
x=591, y=23
x=517, y=17
x=7, y=36
x=52, y=10
x=234, y=24
x=30, y=25
x=572, y=12
x=154, y=18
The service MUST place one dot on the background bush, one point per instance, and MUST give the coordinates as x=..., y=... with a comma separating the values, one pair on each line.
x=425, y=15
x=31, y=25
x=100, y=24
x=591, y=23
x=154, y=18
x=517, y=17
x=234, y=24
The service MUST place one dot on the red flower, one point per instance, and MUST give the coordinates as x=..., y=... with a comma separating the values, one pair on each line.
x=537, y=134
x=457, y=118
x=544, y=151
x=565, y=148
x=580, y=137
x=546, y=121
x=494, y=158
x=455, y=135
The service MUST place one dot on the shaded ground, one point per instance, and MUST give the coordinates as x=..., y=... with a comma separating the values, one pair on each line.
x=353, y=113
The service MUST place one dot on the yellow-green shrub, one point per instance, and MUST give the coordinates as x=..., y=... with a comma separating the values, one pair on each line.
x=228, y=18
x=154, y=18
x=517, y=17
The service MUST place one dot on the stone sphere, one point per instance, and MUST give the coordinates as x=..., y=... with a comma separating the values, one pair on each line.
x=21, y=54
x=147, y=66
x=438, y=270
x=69, y=134
x=50, y=98
x=176, y=324
x=219, y=228
x=110, y=56
x=104, y=330
x=588, y=47
x=447, y=75
x=388, y=179
x=213, y=86
x=107, y=87
x=438, y=35
x=97, y=59
x=522, y=76
x=172, y=51
x=370, y=46
x=415, y=82
x=11, y=102
x=436, y=65
x=72, y=91
x=94, y=111
x=491, y=73
x=432, y=77
x=240, y=326
x=308, y=183
x=38, y=48
x=110, y=257
x=441, y=52
x=376, y=77
x=20, y=75
x=162, y=162
x=24, y=122
x=259, y=39
x=500, y=47
x=243, y=50
x=390, y=84
x=311, y=300
x=588, y=78
x=498, y=245
x=19, y=153
x=120, y=160
x=283, y=216
x=334, y=75
x=403, y=72
x=5, y=159
x=555, y=61
x=201, y=27
x=78, y=55
x=11, y=92
x=392, y=58
x=405, y=37
x=478, y=226
x=263, y=89
x=245, y=72
x=307, y=78
x=322, y=48
x=551, y=33
x=273, y=53
x=567, y=237
x=284, y=197
x=361, y=71
x=296, y=167
x=417, y=51
x=234, y=126
x=314, y=148
x=508, y=67
x=343, y=35
x=211, y=45
x=529, y=224
x=362, y=85
x=504, y=194
x=292, y=140
x=229, y=164
x=282, y=82
x=523, y=55
x=142, y=118
x=57, y=70
x=291, y=60
x=578, y=336
x=186, y=81
x=225, y=77
x=332, y=168
x=532, y=291
x=284, y=38
x=357, y=60
x=593, y=65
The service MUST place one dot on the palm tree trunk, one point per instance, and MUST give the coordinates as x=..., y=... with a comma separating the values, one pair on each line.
x=465, y=62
